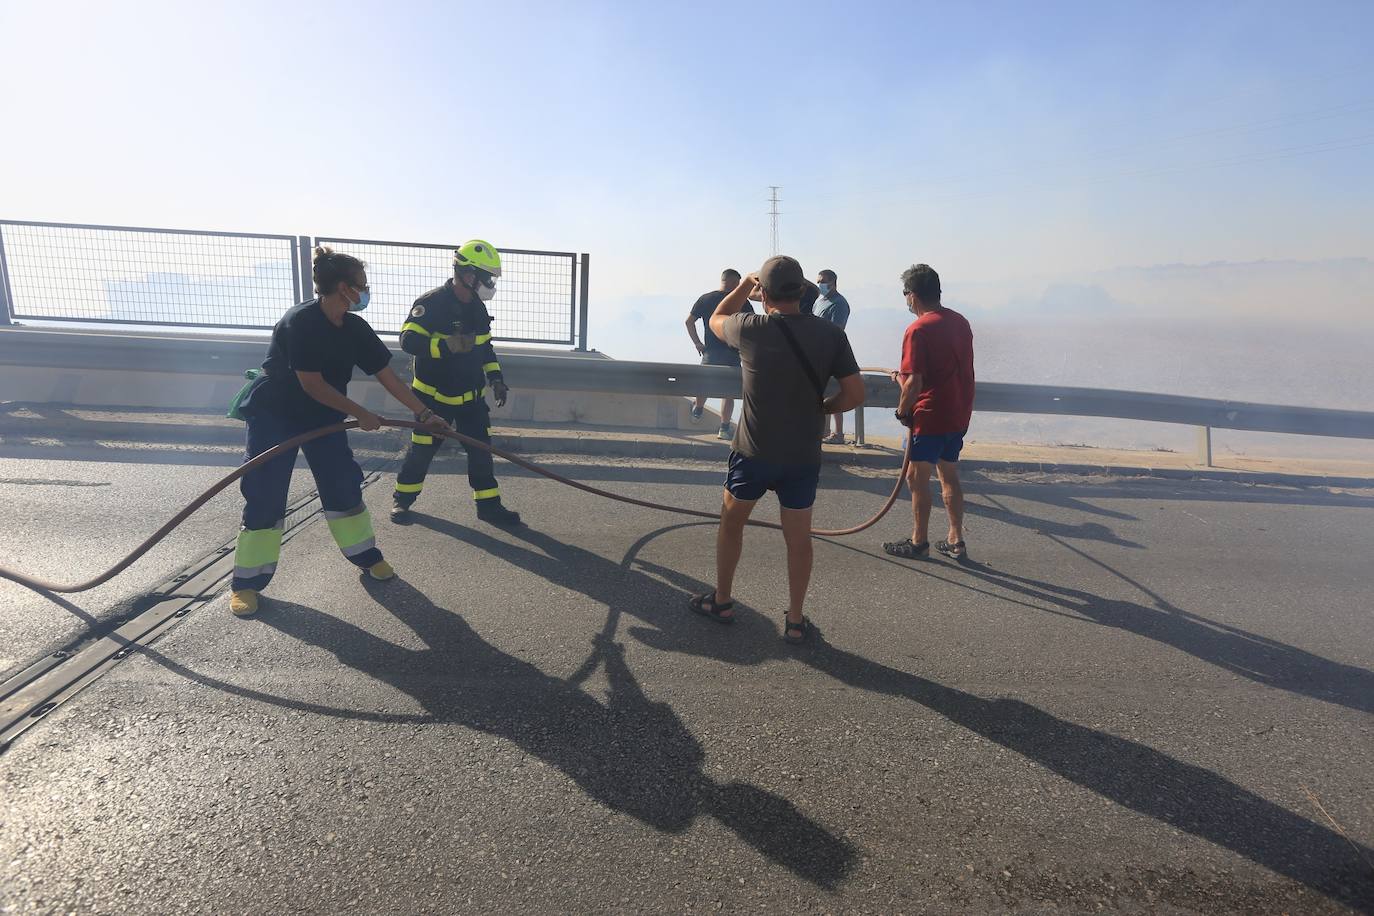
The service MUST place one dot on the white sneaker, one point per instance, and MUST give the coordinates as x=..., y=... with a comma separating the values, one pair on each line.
x=726, y=431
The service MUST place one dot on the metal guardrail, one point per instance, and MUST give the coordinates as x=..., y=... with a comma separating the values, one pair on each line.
x=993, y=397
x=67, y=272
x=59, y=349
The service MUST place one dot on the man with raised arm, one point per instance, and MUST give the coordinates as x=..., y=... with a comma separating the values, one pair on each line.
x=787, y=357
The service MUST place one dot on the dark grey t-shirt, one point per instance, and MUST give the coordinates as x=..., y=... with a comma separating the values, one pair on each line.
x=782, y=413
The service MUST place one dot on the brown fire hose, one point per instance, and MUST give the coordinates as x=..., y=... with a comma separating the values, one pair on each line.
x=295, y=441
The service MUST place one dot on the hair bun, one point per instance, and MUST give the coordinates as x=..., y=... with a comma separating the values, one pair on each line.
x=321, y=251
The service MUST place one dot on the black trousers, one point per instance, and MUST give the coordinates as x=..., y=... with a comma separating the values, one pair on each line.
x=472, y=420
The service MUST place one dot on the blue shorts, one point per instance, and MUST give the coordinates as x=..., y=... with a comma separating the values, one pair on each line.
x=795, y=484
x=941, y=447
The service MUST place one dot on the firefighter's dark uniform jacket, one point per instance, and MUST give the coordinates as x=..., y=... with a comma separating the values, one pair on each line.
x=451, y=379
x=450, y=384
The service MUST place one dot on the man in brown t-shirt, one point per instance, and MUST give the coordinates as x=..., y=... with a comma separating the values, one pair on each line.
x=787, y=358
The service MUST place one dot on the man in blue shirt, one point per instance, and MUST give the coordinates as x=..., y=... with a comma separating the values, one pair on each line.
x=834, y=308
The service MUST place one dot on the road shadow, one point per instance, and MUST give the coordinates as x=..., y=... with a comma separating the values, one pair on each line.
x=631, y=754
x=1128, y=773
x=1249, y=655
x=60, y=432
x=1069, y=496
x=1066, y=491
x=71, y=432
x=1184, y=796
x=1078, y=531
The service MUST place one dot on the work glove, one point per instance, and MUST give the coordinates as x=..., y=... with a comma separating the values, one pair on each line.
x=460, y=343
x=433, y=422
x=499, y=393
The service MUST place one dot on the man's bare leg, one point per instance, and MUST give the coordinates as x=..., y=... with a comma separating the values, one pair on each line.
x=727, y=409
x=838, y=435
x=953, y=492
x=918, y=481
x=839, y=424
x=699, y=404
x=729, y=543
x=796, y=531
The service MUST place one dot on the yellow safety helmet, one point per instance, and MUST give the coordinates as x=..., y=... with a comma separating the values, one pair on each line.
x=478, y=254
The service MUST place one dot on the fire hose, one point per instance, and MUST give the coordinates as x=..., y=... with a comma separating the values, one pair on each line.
x=152, y=540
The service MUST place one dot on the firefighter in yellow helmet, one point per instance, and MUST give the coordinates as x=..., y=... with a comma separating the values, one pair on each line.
x=449, y=333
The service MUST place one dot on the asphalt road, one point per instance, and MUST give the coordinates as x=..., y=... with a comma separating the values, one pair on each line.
x=1153, y=696
x=74, y=507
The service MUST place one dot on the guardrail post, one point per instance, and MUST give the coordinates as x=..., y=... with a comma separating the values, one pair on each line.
x=859, y=425
x=305, y=275
x=6, y=310
x=582, y=306
x=1204, y=446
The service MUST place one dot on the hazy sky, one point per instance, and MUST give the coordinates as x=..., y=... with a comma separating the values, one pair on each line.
x=1006, y=144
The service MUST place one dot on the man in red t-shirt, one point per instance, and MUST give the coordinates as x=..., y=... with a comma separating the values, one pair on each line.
x=936, y=405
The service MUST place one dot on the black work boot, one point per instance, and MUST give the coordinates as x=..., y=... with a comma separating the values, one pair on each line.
x=400, y=513
x=491, y=510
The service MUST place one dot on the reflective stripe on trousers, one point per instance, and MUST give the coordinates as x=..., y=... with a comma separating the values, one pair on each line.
x=352, y=530
x=472, y=421
x=256, y=555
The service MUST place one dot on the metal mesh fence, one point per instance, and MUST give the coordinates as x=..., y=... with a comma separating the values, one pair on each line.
x=535, y=298
x=173, y=277
x=148, y=276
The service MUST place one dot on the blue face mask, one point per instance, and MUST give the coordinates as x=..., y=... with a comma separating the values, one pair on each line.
x=824, y=288
x=362, y=302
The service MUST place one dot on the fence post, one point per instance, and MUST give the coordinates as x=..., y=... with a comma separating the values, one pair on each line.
x=859, y=425
x=1204, y=446
x=582, y=307
x=6, y=307
x=305, y=282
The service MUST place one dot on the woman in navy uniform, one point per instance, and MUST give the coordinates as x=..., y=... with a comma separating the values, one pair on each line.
x=303, y=386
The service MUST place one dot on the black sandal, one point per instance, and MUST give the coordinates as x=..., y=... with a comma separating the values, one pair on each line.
x=706, y=606
x=804, y=630
x=955, y=550
x=905, y=548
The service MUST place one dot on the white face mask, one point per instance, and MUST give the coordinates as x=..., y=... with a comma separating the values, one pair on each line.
x=486, y=291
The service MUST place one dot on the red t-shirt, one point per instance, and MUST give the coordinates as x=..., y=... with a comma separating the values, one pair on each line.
x=939, y=346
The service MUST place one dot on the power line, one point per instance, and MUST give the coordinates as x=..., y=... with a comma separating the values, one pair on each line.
x=773, y=216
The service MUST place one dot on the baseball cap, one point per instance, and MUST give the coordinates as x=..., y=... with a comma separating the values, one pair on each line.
x=782, y=277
